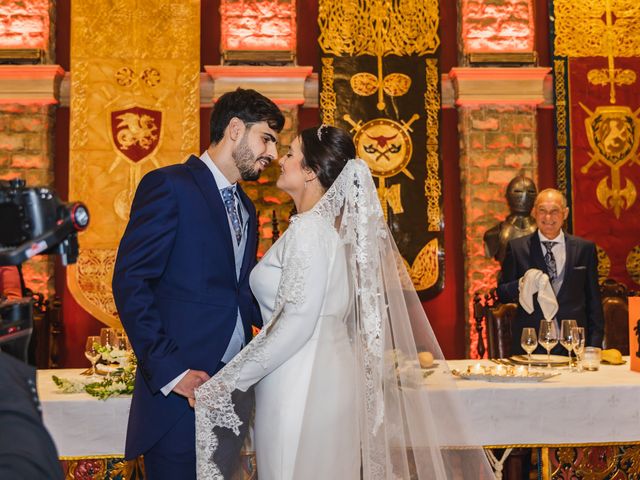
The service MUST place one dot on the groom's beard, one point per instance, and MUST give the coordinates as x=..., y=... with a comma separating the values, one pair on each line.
x=246, y=161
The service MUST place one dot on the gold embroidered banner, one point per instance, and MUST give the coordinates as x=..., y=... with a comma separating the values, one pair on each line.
x=380, y=80
x=596, y=68
x=135, y=78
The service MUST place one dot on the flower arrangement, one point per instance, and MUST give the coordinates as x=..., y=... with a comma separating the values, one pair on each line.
x=118, y=382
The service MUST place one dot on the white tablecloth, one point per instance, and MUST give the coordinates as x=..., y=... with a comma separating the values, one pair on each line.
x=81, y=425
x=572, y=408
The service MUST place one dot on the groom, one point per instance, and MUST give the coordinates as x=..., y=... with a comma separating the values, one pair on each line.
x=181, y=279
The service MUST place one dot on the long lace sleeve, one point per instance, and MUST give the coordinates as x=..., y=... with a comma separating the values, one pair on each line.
x=306, y=261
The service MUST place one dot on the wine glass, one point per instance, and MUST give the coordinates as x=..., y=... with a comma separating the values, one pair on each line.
x=108, y=337
x=548, y=337
x=123, y=343
x=566, y=327
x=578, y=341
x=92, y=353
x=528, y=342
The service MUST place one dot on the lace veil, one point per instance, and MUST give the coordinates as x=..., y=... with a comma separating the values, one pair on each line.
x=409, y=423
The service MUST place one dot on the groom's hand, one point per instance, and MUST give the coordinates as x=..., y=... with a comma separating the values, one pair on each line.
x=192, y=380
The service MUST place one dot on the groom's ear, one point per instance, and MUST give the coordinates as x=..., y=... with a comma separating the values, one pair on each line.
x=235, y=128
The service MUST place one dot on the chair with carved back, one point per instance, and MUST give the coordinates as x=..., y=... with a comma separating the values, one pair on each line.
x=615, y=308
x=499, y=318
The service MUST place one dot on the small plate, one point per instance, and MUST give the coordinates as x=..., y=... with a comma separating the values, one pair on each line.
x=102, y=369
x=540, y=360
x=531, y=377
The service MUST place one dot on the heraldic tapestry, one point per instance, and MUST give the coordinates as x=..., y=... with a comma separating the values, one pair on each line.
x=380, y=81
x=135, y=76
x=596, y=67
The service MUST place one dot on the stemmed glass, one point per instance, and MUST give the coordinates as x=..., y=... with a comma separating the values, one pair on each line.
x=566, y=329
x=528, y=342
x=108, y=337
x=123, y=342
x=548, y=337
x=578, y=341
x=92, y=353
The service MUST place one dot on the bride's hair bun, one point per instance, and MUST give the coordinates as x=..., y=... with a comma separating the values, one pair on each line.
x=326, y=150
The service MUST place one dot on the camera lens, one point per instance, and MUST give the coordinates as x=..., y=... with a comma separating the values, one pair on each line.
x=80, y=216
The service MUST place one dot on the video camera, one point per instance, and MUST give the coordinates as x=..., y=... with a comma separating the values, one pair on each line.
x=33, y=221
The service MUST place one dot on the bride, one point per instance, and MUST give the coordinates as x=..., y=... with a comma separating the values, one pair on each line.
x=339, y=393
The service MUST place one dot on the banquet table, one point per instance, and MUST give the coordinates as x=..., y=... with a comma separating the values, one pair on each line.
x=570, y=409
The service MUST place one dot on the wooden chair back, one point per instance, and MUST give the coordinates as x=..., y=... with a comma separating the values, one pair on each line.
x=615, y=307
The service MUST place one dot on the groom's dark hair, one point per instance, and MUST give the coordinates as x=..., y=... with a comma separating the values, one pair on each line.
x=247, y=105
x=326, y=150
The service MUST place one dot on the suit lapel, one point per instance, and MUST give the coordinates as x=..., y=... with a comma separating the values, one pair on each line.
x=250, y=246
x=570, y=252
x=209, y=189
x=536, y=253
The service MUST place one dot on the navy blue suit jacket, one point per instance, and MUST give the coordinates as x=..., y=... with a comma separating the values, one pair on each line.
x=578, y=297
x=176, y=289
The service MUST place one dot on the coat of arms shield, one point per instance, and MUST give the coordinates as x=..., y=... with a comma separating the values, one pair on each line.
x=135, y=132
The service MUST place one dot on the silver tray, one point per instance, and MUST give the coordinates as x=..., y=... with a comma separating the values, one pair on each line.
x=531, y=377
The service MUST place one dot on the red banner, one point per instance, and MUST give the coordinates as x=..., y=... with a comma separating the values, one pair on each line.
x=604, y=109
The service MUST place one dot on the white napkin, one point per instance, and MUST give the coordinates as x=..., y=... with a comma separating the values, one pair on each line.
x=536, y=281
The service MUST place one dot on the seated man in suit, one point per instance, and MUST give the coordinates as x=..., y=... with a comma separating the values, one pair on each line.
x=571, y=264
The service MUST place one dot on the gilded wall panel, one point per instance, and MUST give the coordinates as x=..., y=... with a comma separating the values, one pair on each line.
x=134, y=107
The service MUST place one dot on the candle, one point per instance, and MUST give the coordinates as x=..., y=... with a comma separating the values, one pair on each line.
x=521, y=371
x=478, y=369
x=500, y=370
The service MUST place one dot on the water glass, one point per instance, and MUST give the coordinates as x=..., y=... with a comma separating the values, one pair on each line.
x=92, y=353
x=108, y=336
x=566, y=329
x=548, y=337
x=528, y=342
x=123, y=342
x=578, y=341
x=592, y=357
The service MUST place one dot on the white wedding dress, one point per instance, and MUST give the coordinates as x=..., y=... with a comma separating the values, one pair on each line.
x=315, y=337
x=339, y=393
